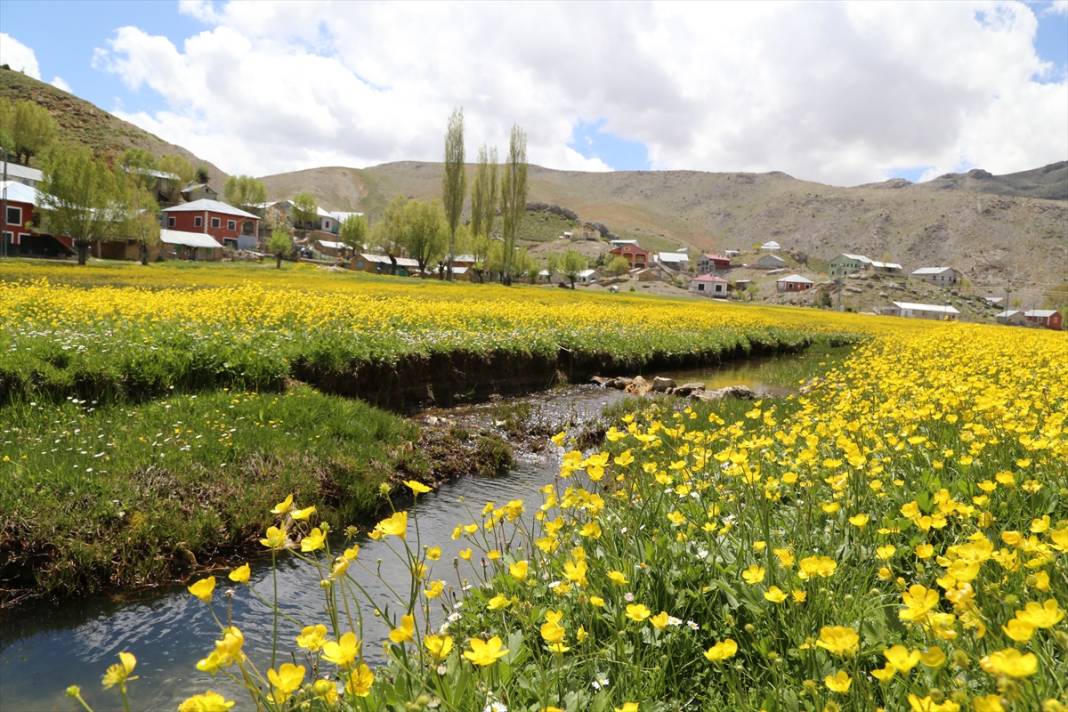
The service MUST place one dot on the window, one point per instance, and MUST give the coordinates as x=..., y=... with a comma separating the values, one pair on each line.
x=8, y=237
x=171, y=221
x=198, y=221
x=14, y=215
x=216, y=222
x=231, y=225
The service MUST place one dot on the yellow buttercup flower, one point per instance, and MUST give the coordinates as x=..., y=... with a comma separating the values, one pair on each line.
x=360, y=681
x=519, y=570
x=302, y=514
x=753, y=575
x=724, y=650
x=206, y=702
x=275, y=539
x=285, y=681
x=1010, y=662
x=395, y=525
x=617, y=577
x=775, y=595
x=839, y=682
x=120, y=673
x=439, y=646
x=485, y=652
x=312, y=637
x=840, y=640
x=660, y=620
x=203, y=589
x=284, y=506
x=313, y=540
x=637, y=612
x=416, y=487
x=405, y=631
x=342, y=652
x=241, y=574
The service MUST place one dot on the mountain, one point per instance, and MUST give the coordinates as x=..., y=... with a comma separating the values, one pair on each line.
x=82, y=122
x=999, y=240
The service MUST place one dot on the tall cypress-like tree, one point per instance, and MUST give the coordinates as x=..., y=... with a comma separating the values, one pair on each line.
x=454, y=181
x=513, y=196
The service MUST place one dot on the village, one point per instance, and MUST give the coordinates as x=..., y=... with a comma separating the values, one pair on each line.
x=195, y=224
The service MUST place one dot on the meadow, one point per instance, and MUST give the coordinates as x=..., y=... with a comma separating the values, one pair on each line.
x=893, y=536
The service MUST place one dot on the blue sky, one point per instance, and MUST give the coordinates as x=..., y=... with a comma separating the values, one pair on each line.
x=65, y=34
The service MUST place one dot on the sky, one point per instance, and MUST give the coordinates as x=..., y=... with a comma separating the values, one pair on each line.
x=836, y=92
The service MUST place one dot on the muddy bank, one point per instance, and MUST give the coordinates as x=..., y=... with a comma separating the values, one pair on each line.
x=447, y=379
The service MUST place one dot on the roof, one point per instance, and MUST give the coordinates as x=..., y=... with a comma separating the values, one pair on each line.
x=1039, y=313
x=332, y=245
x=931, y=270
x=14, y=170
x=629, y=247
x=856, y=258
x=672, y=257
x=194, y=186
x=775, y=258
x=152, y=172
x=716, y=257
x=1006, y=314
x=20, y=192
x=214, y=206
x=586, y=272
x=617, y=243
x=384, y=260
x=885, y=265
x=189, y=239
x=912, y=306
x=796, y=278
x=770, y=245
x=709, y=278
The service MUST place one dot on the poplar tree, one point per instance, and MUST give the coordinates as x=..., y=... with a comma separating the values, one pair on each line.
x=454, y=181
x=513, y=197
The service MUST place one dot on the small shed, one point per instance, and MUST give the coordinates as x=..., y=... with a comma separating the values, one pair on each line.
x=770, y=262
x=1013, y=317
x=189, y=245
x=771, y=246
x=794, y=283
x=709, y=285
x=1048, y=318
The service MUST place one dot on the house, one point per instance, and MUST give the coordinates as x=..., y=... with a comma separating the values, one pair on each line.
x=771, y=246
x=586, y=276
x=679, y=261
x=740, y=285
x=769, y=262
x=199, y=191
x=619, y=243
x=1013, y=317
x=189, y=245
x=459, y=261
x=994, y=301
x=923, y=311
x=939, y=276
x=1048, y=318
x=713, y=263
x=382, y=264
x=162, y=183
x=20, y=174
x=732, y=253
x=709, y=285
x=331, y=220
x=230, y=226
x=22, y=216
x=847, y=263
x=635, y=256
x=794, y=283
x=886, y=267
x=330, y=248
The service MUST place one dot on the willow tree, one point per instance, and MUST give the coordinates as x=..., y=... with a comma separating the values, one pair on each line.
x=353, y=232
x=80, y=198
x=454, y=182
x=513, y=196
x=137, y=213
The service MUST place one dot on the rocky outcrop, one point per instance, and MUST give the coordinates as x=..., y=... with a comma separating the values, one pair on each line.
x=639, y=386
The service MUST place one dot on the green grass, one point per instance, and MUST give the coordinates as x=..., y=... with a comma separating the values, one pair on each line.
x=543, y=226
x=123, y=495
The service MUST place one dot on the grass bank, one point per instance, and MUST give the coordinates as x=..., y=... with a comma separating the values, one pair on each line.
x=130, y=495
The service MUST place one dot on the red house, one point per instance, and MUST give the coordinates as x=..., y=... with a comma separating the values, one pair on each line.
x=634, y=255
x=1049, y=318
x=230, y=226
x=713, y=263
x=17, y=236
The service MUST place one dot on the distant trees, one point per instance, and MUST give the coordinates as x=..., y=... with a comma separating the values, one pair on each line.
x=454, y=182
x=245, y=192
x=424, y=232
x=484, y=194
x=513, y=197
x=180, y=167
x=617, y=266
x=26, y=129
x=353, y=232
x=82, y=199
x=388, y=233
x=137, y=215
x=305, y=211
x=279, y=244
x=571, y=264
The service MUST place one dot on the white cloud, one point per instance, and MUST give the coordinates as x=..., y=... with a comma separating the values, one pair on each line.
x=59, y=83
x=1057, y=7
x=836, y=92
x=18, y=56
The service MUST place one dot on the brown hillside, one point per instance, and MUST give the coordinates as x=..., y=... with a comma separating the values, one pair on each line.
x=997, y=240
x=82, y=122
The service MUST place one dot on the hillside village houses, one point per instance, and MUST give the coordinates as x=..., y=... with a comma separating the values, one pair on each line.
x=769, y=262
x=712, y=263
x=678, y=261
x=922, y=311
x=794, y=283
x=847, y=263
x=230, y=226
x=939, y=276
x=709, y=285
x=635, y=256
x=1048, y=318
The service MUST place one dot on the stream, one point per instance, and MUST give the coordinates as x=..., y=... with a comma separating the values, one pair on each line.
x=44, y=648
